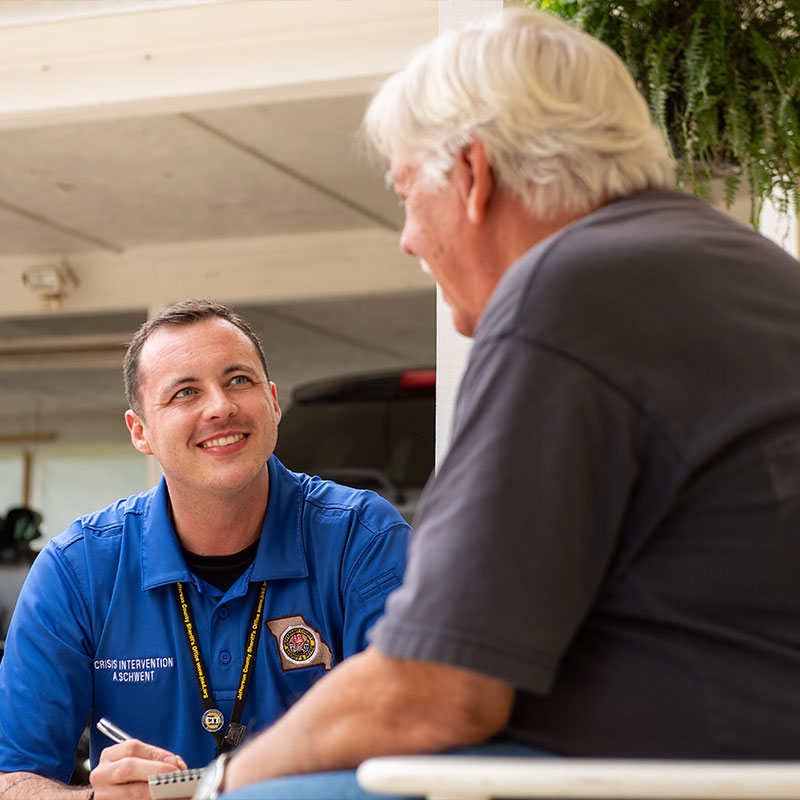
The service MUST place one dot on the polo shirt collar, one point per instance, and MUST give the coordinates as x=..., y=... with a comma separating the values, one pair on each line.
x=280, y=551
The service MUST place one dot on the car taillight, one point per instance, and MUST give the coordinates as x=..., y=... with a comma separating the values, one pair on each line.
x=417, y=378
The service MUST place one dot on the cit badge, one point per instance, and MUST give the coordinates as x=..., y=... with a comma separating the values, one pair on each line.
x=212, y=720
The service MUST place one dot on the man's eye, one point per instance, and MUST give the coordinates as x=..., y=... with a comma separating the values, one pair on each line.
x=187, y=391
x=241, y=379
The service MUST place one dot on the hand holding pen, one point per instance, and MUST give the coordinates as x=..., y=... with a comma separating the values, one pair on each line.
x=124, y=767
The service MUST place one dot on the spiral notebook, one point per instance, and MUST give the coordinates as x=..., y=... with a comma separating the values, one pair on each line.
x=180, y=784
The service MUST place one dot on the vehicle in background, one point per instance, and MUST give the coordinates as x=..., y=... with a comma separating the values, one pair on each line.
x=371, y=431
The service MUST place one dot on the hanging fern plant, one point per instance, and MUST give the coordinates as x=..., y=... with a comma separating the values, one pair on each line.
x=721, y=77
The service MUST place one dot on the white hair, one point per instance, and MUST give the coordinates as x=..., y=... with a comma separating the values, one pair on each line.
x=558, y=113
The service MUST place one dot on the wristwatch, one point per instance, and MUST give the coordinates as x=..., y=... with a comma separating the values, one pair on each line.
x=211, y=780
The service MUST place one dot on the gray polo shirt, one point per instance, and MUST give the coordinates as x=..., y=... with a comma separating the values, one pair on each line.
x=616, y=528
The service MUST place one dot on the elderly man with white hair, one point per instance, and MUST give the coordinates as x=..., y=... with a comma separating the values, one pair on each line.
x=607, y=562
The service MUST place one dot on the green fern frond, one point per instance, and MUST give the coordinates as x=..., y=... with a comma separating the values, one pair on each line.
x=721, y=78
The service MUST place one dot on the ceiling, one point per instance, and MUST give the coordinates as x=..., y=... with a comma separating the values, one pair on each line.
x=279, y=168
x=270, y=205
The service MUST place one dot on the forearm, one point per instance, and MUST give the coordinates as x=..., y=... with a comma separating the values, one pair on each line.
x=334, y=725
x=374, y=705
x=28, y=786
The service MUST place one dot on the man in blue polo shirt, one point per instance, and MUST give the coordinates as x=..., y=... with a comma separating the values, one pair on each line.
x=197, y=612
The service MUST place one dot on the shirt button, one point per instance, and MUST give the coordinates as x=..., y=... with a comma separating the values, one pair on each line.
x=224, y=612
x=225, y=657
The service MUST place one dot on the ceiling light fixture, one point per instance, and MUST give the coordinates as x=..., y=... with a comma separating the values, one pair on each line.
x=51, y=284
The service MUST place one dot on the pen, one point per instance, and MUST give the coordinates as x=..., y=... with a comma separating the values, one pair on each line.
x=112, y=731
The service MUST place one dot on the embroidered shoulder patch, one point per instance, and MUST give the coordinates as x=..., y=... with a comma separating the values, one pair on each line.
x=298, y=643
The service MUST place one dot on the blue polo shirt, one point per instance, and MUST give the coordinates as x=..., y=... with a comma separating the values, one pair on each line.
x=98, y=631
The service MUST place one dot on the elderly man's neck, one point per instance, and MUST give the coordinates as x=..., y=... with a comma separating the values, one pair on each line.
x=510, y=230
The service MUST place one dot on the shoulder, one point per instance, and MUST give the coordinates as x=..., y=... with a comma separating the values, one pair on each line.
x=106, y=524
x=638, y=267
x=583, y=256
x=323, y=502
x=630, y=250
x=330, y=529
x=327, y=500
x=312, y=496
x=88, y=550
x=357, y=529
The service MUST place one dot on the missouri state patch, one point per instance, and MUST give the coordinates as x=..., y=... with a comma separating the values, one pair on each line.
x=298, y=643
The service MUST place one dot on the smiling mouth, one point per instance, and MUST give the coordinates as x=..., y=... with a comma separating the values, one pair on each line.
x=223, y=441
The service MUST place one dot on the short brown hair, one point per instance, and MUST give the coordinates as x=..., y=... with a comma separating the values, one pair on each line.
x=187, y=312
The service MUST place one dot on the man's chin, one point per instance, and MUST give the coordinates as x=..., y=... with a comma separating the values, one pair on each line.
x=464, y=326
x=463, y=323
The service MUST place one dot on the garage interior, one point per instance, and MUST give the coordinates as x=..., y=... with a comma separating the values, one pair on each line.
x=154, y=151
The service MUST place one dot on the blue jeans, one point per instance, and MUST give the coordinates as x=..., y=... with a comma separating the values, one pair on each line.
x=342, y=785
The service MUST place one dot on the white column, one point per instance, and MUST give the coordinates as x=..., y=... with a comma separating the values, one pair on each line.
x=452, y=349
x=781, y=228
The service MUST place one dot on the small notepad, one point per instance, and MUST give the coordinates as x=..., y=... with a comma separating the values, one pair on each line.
x=180, y=784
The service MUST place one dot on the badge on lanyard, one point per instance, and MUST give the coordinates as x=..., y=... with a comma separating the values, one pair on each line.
x=212, y=720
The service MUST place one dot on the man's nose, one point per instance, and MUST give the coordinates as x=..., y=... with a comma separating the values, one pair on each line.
x=219, y=403
x=405, y=242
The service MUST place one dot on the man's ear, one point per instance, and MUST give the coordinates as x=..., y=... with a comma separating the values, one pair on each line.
x=274, y=391
x=138, y=436
x=482, y=183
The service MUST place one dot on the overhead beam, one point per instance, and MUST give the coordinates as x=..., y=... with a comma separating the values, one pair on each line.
x=269, y=269
x=25, y=438
x=63, y=353
x=194, y=57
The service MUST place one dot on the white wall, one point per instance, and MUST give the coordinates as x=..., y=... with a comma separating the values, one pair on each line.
x=11, y=478
x=70, y=480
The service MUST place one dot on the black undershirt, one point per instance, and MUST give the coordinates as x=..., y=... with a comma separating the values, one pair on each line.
x=221, y=571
